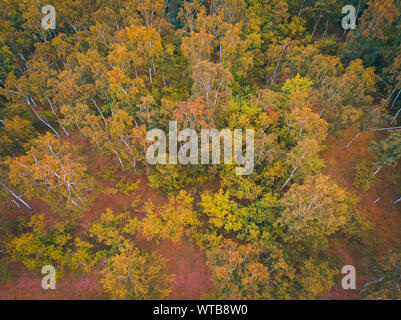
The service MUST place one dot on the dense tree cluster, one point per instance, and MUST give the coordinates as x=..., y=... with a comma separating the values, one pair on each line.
x=112, y=70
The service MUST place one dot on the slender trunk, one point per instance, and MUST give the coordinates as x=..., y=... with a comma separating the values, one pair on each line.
x=301, y=8
x=313, y=200
x=83, y=133
x=15, y=196
x=315, y=26
x=45, y=122
x=396, y=115
x=65, y=131
x=293, y=171
x=392, y=92
x=217, y=92
x=392, y=105
x=381, y=129
x=300, y=135
x=288, y=180
x=289, y=124
x=374, y=281
x=119, y=159
x=101, y=113
x=16, y=203
x=278, y=62
x=352, y=140
x=325, y=30
x=322, y=111
x=378, y=170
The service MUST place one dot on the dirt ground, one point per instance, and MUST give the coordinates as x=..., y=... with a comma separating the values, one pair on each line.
x=185, y=260
x=26, y=285
x=385, y=216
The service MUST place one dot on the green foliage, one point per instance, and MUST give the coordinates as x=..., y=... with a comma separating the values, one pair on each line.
x=128, y=187
x=388, y=150
x=172, y=178
x=297, y=84
x=364, y=175
x=113, y=231
x=7, y=62
x=223, y=212
x=15, y=136
x=113, y=70
x=172, y=221
x=5, y=274
x=386, y=282
x=132, y=275
x=107, y=174
x=40, y=246
x=239, y=272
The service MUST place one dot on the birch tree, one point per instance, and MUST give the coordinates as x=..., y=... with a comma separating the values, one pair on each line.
x=133, y=275
x=51, y=170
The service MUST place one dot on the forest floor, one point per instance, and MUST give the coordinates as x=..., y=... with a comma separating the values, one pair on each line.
x=185, y=260
x=384, y=215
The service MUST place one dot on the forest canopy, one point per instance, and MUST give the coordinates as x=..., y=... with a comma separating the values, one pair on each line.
x=78, y=99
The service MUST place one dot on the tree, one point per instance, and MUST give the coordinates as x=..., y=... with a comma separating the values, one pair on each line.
x=388, y=150
x=386, y=284
x=368, y=40
x=234, y=10
x=113, y=230
x=195, y=115
x=197, y=47
x=146, y=46
x=33, y=18
x=315, y=210
x=31, y=90
x=222, y=212
x=50, y=171
x=67, y=89
x=346, y=101
x=315, y=279
x=151, y=12
x=307, y=125
x=15, y=135
x=74, y=116
x=117, y=136
x=173, y=177
x=233, y=51
x=240, y=187
x=392, y=78
x=135, y=275
x=189, y=13
x=309, y=62
x=238, y=272
x=212, y=83
x=173, y=220
x=7, y=62
x=304, y=160
x=40, y=246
